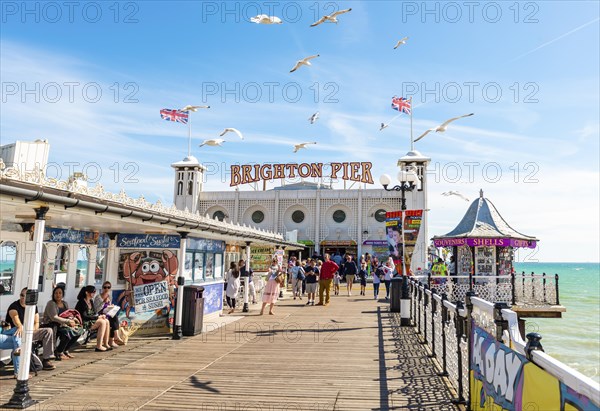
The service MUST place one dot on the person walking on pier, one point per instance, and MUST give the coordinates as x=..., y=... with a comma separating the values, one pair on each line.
x=311, y=282
x=233, y=286
x=350, y=271
x=248, y=273
x=377, y=277
x=274, y=280
x=388, y=273
x=328, y=270
x=362, y=274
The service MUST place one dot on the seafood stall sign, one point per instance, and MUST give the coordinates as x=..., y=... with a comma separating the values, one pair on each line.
x=150, y=297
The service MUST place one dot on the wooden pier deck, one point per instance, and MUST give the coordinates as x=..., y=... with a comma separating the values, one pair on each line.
x=350, y=355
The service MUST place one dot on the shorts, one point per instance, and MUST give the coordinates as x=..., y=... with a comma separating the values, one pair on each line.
x=311, y=287
x=350, y=279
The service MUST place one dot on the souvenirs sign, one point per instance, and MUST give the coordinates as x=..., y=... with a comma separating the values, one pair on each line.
x=487, y=242
x=353, y=171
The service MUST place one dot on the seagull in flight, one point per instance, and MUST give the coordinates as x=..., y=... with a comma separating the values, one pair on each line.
x=193, y=108
x=455, y=193
x=383, y=125
x=212, y=142
x=302, y=145
x=264, y=19
x=233, y=130
x=332, y=18
x=400, y=42
x=304, y=62
x=314, y=118
x=442, y=127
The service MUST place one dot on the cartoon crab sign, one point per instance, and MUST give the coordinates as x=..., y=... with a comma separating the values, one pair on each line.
x=147, y=267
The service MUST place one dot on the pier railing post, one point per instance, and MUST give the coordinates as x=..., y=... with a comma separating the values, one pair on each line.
x=469, y=332
x=533, y=344
x=459, y=325
x=420, y=298
x=501, y=323
x=514, y=292
x=433, y=310
x=429, y=279
x=404, y=302
x=425, y=305
x=532, y=286
x=544, y=286
x=523, y=283
x=444, y=372
x=556, y=285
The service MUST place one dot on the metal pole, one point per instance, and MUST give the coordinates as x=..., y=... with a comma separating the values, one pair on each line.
x=247, y=278
x=189, y=133
x=177, y=332
x=402, y=228
x=433, y=310
x=556, y=285
x=21, y=398
x=444, y=372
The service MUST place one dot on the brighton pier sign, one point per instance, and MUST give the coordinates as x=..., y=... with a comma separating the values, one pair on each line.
x=353, y=171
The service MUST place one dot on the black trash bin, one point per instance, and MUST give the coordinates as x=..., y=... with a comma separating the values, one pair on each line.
x=395, y=293
x=193, y=310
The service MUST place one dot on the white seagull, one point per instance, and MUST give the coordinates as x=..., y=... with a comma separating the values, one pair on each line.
x=314, y=118
x=332, y=18
x=400, y=42
x=233, y=130
x=383, y=125
x=455, y=193
x=304, y=62
x=442, y=127
x=302, y=145
x=264, y=19
x=193, y=108
x=212, y=142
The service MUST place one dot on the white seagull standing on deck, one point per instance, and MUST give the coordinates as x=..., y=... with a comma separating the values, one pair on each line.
x=455, y=193
x=233, y=130
x=212, y=142
x=302, y=145
x=383, y=125
x=400, y=42
x=304, y=62
x=264, y=19
x=193, y=108
x=314, y=118
x=332, y=18
x=442, y=127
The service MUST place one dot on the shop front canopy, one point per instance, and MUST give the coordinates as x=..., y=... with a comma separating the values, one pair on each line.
x=482, y=225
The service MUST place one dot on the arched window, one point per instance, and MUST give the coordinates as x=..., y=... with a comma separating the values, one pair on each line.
x=258, y=216
x=8, y=266
x=298, y=216
x=180, y=188
x=380, y=215
x=81, y=270
x=218, y=215
x=190, y=187
x=339, y=216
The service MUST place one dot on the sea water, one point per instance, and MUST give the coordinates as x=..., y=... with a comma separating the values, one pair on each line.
x=573, y=339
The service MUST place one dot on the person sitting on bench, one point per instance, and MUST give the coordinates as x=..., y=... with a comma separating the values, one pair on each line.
x=15, y=317
x=91, y=320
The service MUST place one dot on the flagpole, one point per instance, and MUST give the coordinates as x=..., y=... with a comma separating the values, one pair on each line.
x=412, y=142
x=189, y=135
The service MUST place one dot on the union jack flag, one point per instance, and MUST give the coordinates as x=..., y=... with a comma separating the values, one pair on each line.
x=401, y=104
x=174, y=115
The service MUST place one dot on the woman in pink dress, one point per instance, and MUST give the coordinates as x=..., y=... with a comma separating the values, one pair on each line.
x=275, y=277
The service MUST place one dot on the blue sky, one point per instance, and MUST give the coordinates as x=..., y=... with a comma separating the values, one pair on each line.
x=538, y=140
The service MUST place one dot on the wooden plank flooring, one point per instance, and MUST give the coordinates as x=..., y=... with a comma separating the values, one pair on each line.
x=340, y=357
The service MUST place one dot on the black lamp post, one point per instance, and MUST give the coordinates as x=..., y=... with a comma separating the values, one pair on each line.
x=407, y=179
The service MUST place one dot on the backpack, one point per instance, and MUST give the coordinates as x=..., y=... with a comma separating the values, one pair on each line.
x=35, y=364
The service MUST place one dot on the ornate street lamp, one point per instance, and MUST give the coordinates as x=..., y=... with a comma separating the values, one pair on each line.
x=408, y=179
